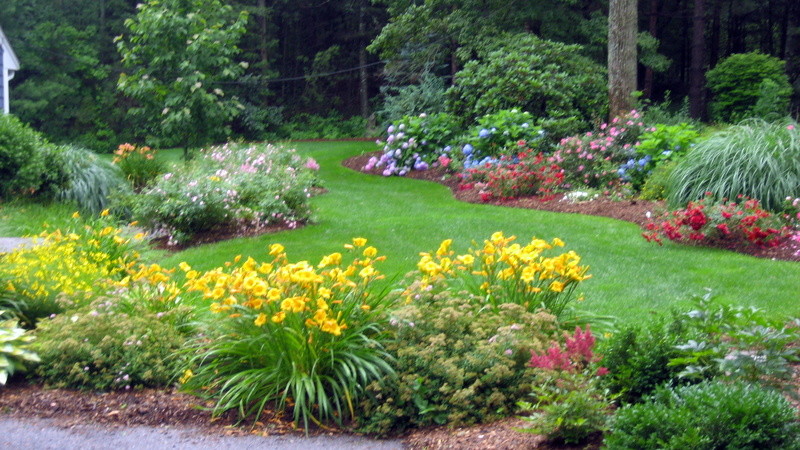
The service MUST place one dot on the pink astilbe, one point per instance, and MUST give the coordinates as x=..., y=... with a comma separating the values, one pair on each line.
x=577, y=356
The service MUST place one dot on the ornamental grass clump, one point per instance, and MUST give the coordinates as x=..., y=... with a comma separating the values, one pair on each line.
x=755, y=158
x=74, y=264
x=291, y=334
x=502, y=271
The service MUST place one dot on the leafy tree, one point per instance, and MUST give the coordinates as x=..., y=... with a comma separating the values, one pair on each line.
x=180, y=53
x=563, y=89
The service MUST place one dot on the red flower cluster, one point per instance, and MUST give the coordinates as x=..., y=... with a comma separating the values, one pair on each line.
x=516, y=176
x=708, y=221
x=578, y=355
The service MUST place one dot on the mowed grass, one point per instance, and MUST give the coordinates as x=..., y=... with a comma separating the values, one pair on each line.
x=403, y=217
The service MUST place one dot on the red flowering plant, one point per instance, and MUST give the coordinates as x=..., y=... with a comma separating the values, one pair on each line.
x=514, y=176
x=576, y=356
x=708, y=221
x=570, y=406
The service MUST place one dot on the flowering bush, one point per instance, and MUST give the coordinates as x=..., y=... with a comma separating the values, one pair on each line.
x=416, y=143
x=138, y=164
x=594, y=159
x=709, y=221
x=456, y=363
x=791, y=211
x=73, y=263
x=228, y=187
x=501, y=133
x=504, y=272
x=296, y=334
x=514, y=177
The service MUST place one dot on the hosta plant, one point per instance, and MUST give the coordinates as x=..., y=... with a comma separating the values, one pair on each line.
x=14, y=348
x=291, y=334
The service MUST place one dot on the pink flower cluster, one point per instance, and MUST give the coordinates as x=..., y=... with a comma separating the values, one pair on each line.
x=577, y=356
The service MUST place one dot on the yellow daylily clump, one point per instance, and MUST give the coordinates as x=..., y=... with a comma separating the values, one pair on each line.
x=504, y=271
x=318, y=297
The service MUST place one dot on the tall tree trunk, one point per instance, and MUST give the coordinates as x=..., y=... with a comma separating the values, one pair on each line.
x=622, y=28
x=362, y=63
x=716, y=23
x=262, y=39
x=652, y=27
x=697, y=104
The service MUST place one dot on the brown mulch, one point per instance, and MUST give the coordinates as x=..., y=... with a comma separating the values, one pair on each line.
x=635, y=211
x=137, y=407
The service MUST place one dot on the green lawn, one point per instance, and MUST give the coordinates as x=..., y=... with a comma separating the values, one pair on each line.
x=403, y=217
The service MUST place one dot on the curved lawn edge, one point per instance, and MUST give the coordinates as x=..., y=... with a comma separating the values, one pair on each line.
x=402, y=217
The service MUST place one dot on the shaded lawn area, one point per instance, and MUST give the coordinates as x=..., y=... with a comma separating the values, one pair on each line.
x=403, y=217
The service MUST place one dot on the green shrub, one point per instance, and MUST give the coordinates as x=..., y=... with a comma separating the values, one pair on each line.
x=101, y=347
x=21, y=158
x=228, y=187
x=711, y=340
x=414, y=99
x=657, y=183
x=90, y=181
x=710, y=415
x=15, y=348
x=737, y=83
x=292, y=335
x=457, y=363
x=553, y=81
x=569, y=409
x=500, y=133
x=637, y=357
x=332, y=126
x=755, y=159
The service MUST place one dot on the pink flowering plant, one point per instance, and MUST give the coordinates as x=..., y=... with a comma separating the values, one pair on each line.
x=570, y=407
x=229, y=188
x=594, y=159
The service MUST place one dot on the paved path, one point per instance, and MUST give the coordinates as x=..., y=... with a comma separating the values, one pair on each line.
x=24, y=434
x=9, y=244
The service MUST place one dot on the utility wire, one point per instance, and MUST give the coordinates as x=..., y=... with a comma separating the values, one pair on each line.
x=304, y=77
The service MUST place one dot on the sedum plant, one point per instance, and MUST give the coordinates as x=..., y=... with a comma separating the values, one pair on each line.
x=15, y=349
